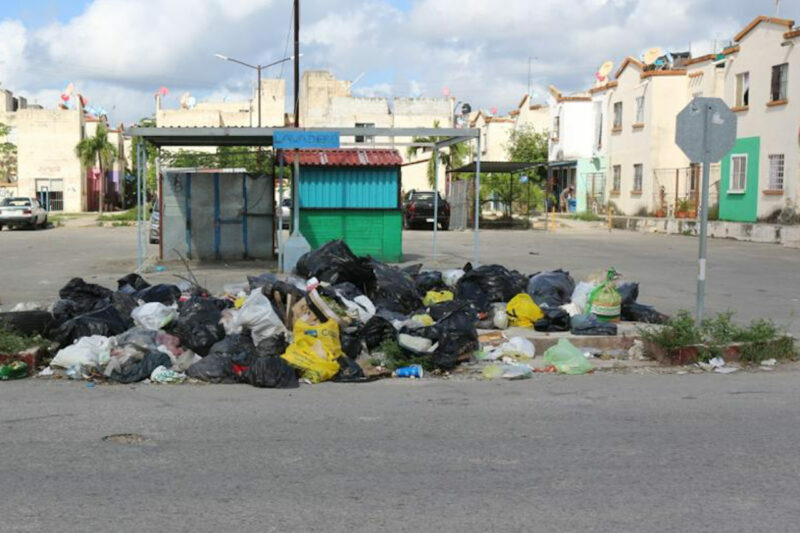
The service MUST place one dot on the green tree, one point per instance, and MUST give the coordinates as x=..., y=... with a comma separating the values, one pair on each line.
x=450, y=157
x=98, y=150
x=8, y=155
x=525, y=145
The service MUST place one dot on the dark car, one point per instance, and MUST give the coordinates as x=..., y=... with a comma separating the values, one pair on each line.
x=418, y=209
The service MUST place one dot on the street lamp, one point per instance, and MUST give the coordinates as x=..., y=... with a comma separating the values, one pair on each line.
x=257, y=68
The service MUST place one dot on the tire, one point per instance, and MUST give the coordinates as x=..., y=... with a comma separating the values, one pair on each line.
x=446, y=225
x=43, y=225
x=153, y=241
x=406, y=224
x=1, y=227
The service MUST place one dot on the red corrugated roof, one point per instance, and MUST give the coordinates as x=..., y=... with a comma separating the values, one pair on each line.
x=356, y=157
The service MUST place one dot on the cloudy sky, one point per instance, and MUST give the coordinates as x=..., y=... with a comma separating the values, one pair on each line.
x=119, y=52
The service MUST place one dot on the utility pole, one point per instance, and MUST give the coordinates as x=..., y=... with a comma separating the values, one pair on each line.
x=296, y=64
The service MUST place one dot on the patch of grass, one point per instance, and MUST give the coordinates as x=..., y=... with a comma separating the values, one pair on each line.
x=56, y=220
x=12, y=343
x=397, y=358
x=123, y=216
x=677, y=332
x=120, y=224
x=586, y=216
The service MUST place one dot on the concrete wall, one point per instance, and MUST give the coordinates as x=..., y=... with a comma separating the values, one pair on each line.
x=46, y=149
x=576, y=131
x=776, y=126
x=535, y=116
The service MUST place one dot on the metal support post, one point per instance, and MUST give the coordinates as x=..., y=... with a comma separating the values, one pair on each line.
x=280, y=209
x=435, y=199
x=701, y=273
x=476, y=246
x=139, y=169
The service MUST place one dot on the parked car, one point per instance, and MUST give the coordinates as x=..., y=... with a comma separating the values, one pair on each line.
x=418, y=209
x=22, y=212
x=155, y=224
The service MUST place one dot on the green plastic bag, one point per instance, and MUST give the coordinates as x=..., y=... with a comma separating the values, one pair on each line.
x=605, y=301
x=14, y=370
x=567, y=358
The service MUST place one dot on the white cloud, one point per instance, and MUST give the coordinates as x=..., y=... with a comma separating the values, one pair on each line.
x=118, y=52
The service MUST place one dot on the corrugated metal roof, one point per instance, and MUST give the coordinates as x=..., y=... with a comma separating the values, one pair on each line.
x=356, y=157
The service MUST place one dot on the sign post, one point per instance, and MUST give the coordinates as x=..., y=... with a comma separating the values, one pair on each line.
x=705, y=131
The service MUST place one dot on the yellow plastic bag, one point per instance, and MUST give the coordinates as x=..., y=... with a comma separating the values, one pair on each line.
x=425, y=320
x=315, y=350
x=523, y=311
x=436, y=297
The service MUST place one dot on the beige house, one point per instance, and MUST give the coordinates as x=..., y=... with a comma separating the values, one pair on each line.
x=495, y=135
x=326, y=101
x=528, y=115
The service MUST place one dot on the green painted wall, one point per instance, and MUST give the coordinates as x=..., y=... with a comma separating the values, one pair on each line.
x=586, y=166
x=740, y=207
x=375, y=232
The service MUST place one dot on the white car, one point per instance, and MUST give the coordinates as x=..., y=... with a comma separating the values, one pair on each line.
x=22, y=212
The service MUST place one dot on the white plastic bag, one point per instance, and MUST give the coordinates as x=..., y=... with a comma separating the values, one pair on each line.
x=153, y=315
x=518, y=347
x=580, y=296
x=258, y=316
x=451, y=277
x=162, y=374
x=94, y=351
x=500, y=315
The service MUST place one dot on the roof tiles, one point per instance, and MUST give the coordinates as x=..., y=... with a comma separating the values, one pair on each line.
x=372, y=157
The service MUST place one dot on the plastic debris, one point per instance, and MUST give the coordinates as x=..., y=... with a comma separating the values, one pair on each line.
x=567, y=358
x=162, y=374
x=509, y=371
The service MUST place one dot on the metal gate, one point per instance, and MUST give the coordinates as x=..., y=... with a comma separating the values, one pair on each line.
x=459, y=204
x=50, y=194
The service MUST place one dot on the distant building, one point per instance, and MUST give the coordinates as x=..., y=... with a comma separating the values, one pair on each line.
x=529, y=115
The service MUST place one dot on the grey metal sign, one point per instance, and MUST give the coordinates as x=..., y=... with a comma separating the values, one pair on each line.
x=706, y=130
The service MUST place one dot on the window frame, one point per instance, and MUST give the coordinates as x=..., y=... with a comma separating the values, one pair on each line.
x=638, y=176
x=772, y=183
x=364, y=139
x=616, y=178
x=639, y=110
x=782, y=83
x=617, y=124
x=742, y=92
x=556, y=127
x=731, y=177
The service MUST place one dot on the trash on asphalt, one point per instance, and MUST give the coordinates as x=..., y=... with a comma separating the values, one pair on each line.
x=14, y=370
x=339, y=317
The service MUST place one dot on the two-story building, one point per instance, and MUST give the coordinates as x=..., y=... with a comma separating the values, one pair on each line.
x=570, y=143
x=762, y=73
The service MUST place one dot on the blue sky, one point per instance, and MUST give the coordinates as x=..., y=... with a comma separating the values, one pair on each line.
x=121, y=51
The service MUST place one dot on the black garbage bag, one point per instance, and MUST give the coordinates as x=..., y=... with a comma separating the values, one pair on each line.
x=239, y=348
x=216, y=368
x=197, y=325
x=377, y=330
x=264, y=281
x=351, y=340
x=133, y=371
x=124, y=304
x=551, y=288
x=443, y=309
x=272, y=346
x=270, y=373
x=393, y=289
x=456, y=334
x=334, y=262
x=106, y=322
x=87, y=296
x=555, y=319
x=429, y=281
x=349, y=371
x=590, y=325
x=161, y=293
x=27, y=323
x=636, y=312
x=471, y=292
x=132, y=283
x=63, y=310
x=347, y=290
x=628, y=292
x=497, y=282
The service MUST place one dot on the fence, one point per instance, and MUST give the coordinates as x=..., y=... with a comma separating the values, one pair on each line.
x=677, y=190
x=459, y=204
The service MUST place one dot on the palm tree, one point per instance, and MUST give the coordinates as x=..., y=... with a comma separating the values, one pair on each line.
x=451, y=157
x=97, y=150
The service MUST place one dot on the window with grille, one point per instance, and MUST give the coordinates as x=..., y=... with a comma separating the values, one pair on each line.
x=640, y=109
x=638, y=173
x=738, y=173
x=743, y=89
x=780, y=82
x=776, y=166
x=556, y=127
x=617, y=115
x=617, y=178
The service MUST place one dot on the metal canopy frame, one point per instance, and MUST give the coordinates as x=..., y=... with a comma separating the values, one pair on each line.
x=248, y=136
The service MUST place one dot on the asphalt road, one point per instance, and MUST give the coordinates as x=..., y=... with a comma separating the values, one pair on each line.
x=755, y=280
x=603, y=453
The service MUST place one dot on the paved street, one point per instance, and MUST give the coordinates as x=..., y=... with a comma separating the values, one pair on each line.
x=605, y=453
x=755, y=280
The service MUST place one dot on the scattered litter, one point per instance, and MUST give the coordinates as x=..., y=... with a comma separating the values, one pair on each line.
x=510, y=371
x=567, y=358
x=769, y=362
x=162, y=374
x=519, y=347
x=412, y=371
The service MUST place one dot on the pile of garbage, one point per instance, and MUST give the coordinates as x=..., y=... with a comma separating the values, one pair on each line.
x=339, y=317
